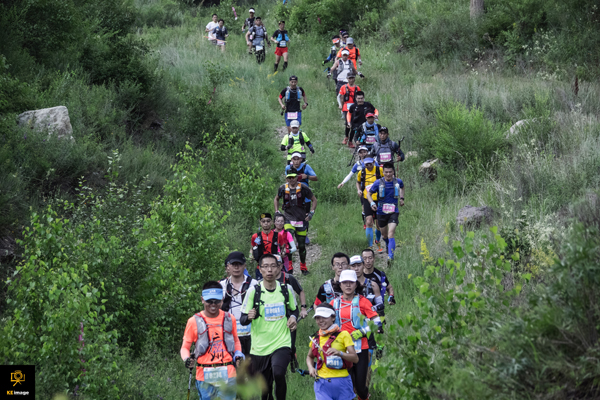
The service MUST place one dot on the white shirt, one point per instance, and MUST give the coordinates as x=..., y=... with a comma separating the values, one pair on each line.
x=211, y=26
x=235, y=307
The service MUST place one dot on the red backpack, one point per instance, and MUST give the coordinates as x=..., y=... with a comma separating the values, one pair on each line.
x=317, y=354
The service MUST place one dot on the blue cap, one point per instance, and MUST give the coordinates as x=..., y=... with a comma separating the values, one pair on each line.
x=368, y=160
x=212, y=294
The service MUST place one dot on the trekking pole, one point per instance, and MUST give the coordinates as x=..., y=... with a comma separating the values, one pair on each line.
x=353, y=155
x=282, y=111
x=189, y=384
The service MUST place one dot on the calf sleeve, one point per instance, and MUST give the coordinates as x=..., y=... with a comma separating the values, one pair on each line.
x=391, y=247
x=378, y=235
x=369, y=233
x=301, y=248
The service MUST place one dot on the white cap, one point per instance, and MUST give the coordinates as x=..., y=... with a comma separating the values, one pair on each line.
x=348, y=275
x=356, y=260
x=363, y=148
x=251, y=10
x=296, y=154
x=295, y=124
x=323, y=312
x=345, y=52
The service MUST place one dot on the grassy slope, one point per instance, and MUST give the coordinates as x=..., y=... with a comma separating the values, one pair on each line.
x=400, y=86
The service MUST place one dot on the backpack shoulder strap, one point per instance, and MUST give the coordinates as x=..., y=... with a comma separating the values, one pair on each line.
x=286, y=295
x=257, y=302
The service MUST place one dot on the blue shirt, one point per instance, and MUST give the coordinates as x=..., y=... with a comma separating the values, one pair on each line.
x=360, y=165
x=307, y=170
x=389, y=197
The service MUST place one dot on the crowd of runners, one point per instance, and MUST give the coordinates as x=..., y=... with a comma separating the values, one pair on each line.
x=252, y=322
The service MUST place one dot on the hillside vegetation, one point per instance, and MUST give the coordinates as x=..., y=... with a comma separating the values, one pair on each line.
x=106, y=240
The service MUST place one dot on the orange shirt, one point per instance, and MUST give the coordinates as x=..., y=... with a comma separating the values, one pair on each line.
x=346, y=316
x=352, y=90
x=217, y=352
x=354, y=54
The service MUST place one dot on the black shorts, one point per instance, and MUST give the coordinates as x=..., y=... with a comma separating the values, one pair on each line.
x=384, y=219
x=246, y=342
x=279, y=359
x=367, y=208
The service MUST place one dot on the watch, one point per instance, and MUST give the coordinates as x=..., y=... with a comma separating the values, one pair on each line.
x=303, y=306
x=401, y=198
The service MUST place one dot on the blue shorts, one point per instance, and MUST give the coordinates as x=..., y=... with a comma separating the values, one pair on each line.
x=334, y=389
x=206, y=391
x=288, y=121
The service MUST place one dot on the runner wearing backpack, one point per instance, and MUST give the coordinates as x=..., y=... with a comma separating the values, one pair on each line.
x=255, y=38
x=384, y=149
x=265, y=241
x=296, y=143
x=345, y=98
x=364, y=180
x=235, y=287
x=305, y=175
x=292, y=96
x=271, y=308
x=390, y=195
x=249, y=23
x=217, y=347
x=286, y=244
x=333, y=351
x=370, y=288
x=331, y=288
x=280, y=36
x=343, y=67
x=377, y=275
x=357, y=115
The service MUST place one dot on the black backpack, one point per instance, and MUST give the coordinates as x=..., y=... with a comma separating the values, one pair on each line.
x=257, y=301
x=363, y=177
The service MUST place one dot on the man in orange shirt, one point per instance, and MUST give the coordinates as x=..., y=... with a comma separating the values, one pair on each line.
x=217, y=346
x=345, y=99
x=353, y=50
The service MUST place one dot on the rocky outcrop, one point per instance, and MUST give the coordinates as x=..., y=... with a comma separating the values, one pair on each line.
x=54, y=120
x=474, y=217
x=428, y=169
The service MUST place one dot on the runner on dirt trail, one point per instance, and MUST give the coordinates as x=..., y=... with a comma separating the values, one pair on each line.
x=287, y=279
x=390, y=195
x=296, y=142
x=293, y=194
x=345, y=98
x=292, y=95
x=217, y=347
x=343, y=67
x=333, y=352
x=280, y=36
x=384, y=149
x=271, y=307
x=369, y=132
x=354, y=53
x=344, y=35
x=371, y=289
x=364, y=180
x=333, y=51
x=357, y=115
x=235, y=287
x=331, y=288
x=352, y=313
x=256, y=36
x=377, y=275
x=285, y=242
x=265, y=241
x=305, y=175
x=249, y=23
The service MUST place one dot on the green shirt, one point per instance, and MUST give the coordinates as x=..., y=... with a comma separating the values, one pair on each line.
x=269, y=332
x=297, y=147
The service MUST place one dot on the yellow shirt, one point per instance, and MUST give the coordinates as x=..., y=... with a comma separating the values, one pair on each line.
x=370, y=177
x=341, y=343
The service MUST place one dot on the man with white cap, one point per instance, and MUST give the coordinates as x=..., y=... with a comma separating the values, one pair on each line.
x=296, y=142
x=293, y=194
x=364, y=181
x=217, y=346
x=249, y=22
x=343, y=66
x=305, y=175
x=353, y=52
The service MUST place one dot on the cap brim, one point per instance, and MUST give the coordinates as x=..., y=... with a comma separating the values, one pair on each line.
x=236, y=260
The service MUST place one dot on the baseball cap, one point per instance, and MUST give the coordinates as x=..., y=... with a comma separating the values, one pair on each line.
x=383, y=128
x=323, y=312
x=235, y=257
x=345, y=52
x=294, y=124
x=350, y=41
x=212, y=294
x=348, y=275
x=291, y=175
x=362, y=148
x=368, y=160
x=351, y=75
x=266, y=215
x=356, y=260
x=293, y=78
x=251, y=10
x=296, y=154
x=335, y=40
x=344, y=33
x=370, y=115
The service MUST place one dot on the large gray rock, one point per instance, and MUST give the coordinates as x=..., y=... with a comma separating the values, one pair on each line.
x=428, y=169
x=518, y=126
x=474, y=217
x=55, y=120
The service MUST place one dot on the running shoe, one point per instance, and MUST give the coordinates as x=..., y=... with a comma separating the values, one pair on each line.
x=351, y=145
x=345, y=141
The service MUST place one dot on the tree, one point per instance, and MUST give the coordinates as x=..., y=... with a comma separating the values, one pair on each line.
x=477, y=8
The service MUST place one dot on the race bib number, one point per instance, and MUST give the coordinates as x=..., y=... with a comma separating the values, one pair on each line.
x=358, y=345
x=282, y=43
x=292, y=115
x=334, y=362
x=385, y=157
x=216, y=376
x=388, y=208
x=243, y=330
x=259, y=48
x=220, y=42
x=371, y=139
x=274, y=312
x=368, y=187
x=297, y=224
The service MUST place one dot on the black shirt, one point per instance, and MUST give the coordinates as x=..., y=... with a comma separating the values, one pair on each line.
x=375, y=276
x=322, y=295
x=249, y=22
x=280, y=36
x=293, y=104
x=220, y=32
x=359, y=112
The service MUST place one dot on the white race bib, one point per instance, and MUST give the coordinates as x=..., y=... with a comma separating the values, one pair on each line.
x=348, y=105
x=274, y=312
x=297, y=224
x=216, y=376
x=385, y=157
x=388, y=208
x=282, y=43
x=292, y=115
x=371, y=139
x=368, y=187
x=220, y=42
x=358, y=345
x=243, y=330
x=259, y=48
x=334, y=362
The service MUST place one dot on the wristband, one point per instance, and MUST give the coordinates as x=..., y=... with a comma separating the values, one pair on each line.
x=373, y=203
x=401, y=198
x=303, y=306
x=312, y=212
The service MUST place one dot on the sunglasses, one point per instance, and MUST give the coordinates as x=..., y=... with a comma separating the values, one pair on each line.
x=213, y=302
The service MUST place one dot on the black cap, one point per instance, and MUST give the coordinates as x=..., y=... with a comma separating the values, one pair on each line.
x=235, y=256
x=293, y=78
x=266, y=215
x=383, y=128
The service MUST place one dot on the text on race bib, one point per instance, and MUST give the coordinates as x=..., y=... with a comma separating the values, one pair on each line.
x=371, y=139
x=388, y=208
x=282, y=43
x=274, y=312
x=297, y=224
x=334, y=362
x=385, y=157
x=358, y=345
x=216, y=376
x=243, y=330
x=369, y=187
x=220, y=42
x=259, y=48
x=292, y=115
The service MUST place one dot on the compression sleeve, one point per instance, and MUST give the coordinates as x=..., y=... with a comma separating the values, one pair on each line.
x=291, y=242
x=348, y=177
